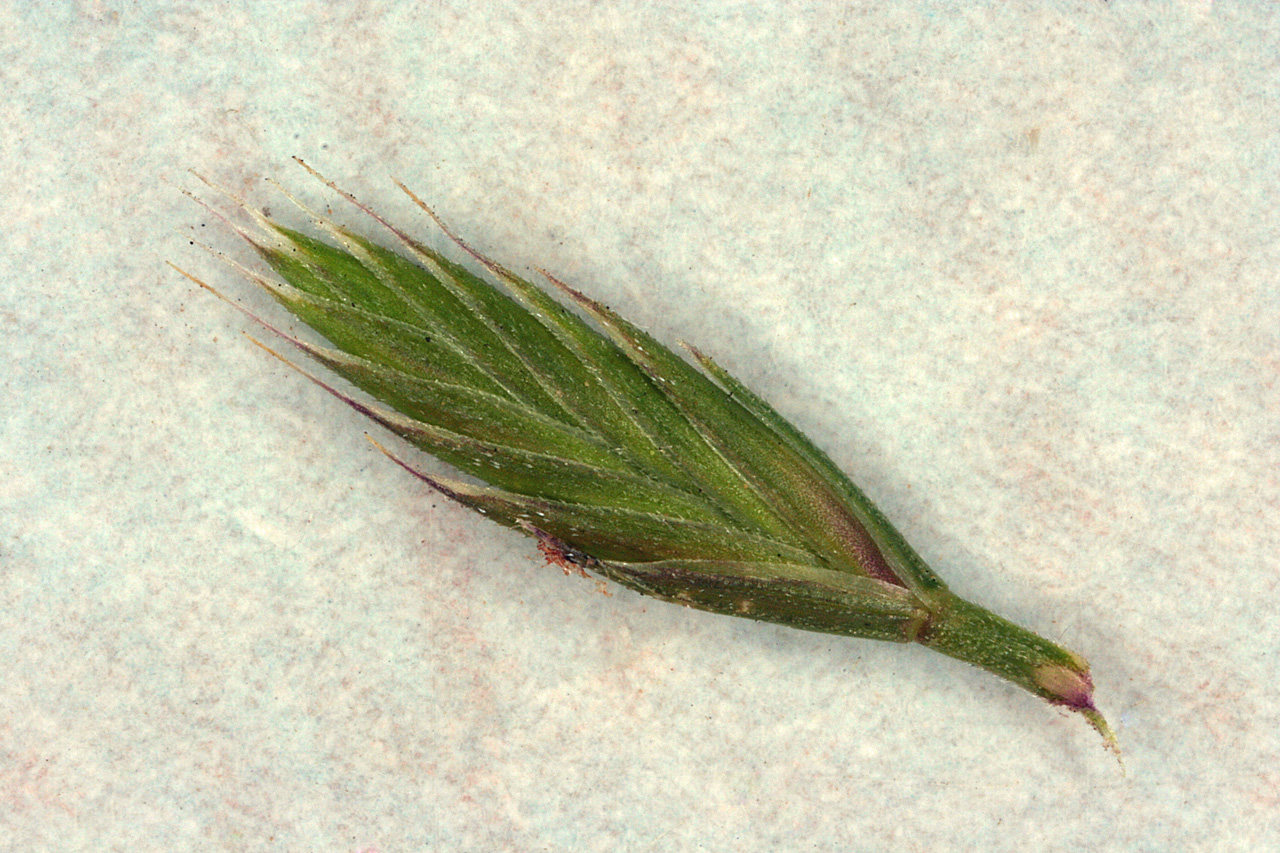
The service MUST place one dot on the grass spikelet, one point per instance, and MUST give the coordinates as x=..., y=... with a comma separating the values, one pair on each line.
x=621, y=458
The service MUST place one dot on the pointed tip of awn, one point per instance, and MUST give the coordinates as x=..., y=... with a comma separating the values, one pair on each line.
x=275, y=330
x=334, y=229
x=696, y=353
x=414, y=245
x=333, y=186
x=224, y=298
x=269, y=232
x=396, y=459
x=203, y=284
x=337, y=189
x=426, y=208
x=236, y=265
x=586, y=302
x=419, y=250
x=449, y=488
x=491, y=265
x=454, y=490
x=706, y=363
x=362, y=408
x=216, y=187
x=389, y=419
x=218, y=214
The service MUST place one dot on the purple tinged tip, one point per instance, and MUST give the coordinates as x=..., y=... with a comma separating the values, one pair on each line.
x=438, y=485
x=1073, y=688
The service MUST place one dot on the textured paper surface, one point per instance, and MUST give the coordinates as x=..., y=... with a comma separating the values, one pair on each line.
x=1013, y=265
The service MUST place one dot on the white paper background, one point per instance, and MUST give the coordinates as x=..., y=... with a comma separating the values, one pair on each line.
x=1013, y=264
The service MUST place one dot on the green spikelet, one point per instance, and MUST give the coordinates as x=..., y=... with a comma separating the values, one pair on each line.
x=623, y=459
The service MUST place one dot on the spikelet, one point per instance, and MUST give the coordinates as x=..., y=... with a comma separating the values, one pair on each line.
x=621, y=458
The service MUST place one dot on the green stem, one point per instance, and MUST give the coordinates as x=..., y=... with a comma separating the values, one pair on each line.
x=975, y=635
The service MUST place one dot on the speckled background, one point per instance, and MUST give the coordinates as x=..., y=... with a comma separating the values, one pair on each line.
x=1013, y=264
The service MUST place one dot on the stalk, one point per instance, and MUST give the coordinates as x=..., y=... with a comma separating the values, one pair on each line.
x=973, y=634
